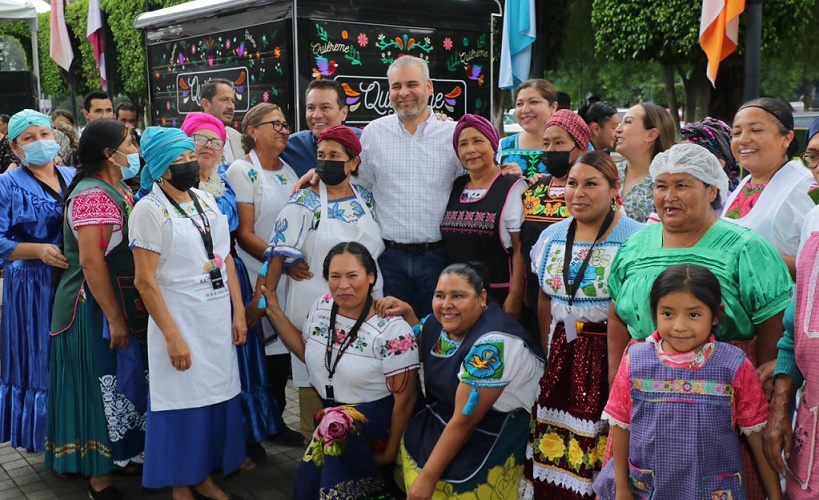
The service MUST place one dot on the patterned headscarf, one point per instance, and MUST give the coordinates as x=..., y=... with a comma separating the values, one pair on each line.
x=24, y=119
x=715, y=136
x=160, y=147
x=480, y=124
x=574, y=125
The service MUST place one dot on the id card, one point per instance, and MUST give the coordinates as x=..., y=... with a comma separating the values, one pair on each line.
x=571, y=329
x=331, y=396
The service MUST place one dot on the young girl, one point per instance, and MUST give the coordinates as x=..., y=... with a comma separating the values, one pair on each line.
x=677, y=398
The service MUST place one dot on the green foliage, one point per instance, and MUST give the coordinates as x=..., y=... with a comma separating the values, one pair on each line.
x=51, y=76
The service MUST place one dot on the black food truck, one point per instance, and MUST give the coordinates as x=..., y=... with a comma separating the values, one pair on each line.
x=272, y=49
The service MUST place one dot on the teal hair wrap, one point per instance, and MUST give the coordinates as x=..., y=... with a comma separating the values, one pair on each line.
x=160, y=147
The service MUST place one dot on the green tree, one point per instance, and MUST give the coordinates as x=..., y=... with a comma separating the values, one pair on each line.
x=667, y=32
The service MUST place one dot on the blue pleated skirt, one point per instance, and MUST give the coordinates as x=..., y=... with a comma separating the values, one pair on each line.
x=183, y=447
x=260, y=413
x=24, y=354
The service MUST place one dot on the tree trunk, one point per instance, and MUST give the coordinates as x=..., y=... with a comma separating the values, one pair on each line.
x=809, y=84
x=690, y=100
x=702, y=91
x=673, y=105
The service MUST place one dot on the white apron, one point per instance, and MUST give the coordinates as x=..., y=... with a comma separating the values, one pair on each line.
x=202, y=314
x=769, y=218
x=301, y=295
x=270, y=205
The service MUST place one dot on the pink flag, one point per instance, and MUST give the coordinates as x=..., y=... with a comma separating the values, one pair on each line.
x=94, y=34
x=60, y=43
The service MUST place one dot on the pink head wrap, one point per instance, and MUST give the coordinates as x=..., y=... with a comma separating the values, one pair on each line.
x=574, y=125
x=195, y=122
x=479, y=123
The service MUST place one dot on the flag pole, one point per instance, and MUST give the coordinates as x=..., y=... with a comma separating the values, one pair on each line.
x=753, y=48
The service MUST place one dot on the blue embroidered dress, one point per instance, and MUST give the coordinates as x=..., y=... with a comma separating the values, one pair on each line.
x=28, y=214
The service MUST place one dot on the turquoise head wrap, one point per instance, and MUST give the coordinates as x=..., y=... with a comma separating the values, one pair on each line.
x=24, y=119
x=160, y=147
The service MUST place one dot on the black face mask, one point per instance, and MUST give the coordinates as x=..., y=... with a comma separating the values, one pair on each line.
x=557, y=163
x=184, y=175
x=331, y=172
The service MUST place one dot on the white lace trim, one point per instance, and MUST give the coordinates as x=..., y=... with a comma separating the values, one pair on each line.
x=120, y=412
x=558, y=477
x=756, y=428
x=613, y=421
x=526, y=490
x=214, y=185
x=581, y=427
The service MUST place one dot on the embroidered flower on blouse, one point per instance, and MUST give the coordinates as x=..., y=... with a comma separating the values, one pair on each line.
x=400, y=345
x=551, y=446
x=252, y=174
x=335, y=212
x=278, y=231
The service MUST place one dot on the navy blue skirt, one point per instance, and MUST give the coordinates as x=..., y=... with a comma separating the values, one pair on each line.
x=183, y=447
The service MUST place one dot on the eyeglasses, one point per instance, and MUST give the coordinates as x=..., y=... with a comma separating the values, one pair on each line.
x=810, y=159
x=201, y=140
x=277, y=125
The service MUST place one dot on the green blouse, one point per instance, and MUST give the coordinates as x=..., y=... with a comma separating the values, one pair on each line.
x=755, y=282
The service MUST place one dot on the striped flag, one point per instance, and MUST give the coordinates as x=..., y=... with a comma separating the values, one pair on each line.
x=719, y=26
x=519, y=32
x=94, y=33
x=60, y=43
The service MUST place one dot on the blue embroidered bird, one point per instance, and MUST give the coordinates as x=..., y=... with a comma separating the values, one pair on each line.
x=485, y=361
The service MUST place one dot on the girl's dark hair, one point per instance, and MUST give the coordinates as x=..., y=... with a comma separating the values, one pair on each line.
x=601, y=162
x=361, y=253
x=599, y=113
x=98, y=142
x=691, y=278
x=474, y=272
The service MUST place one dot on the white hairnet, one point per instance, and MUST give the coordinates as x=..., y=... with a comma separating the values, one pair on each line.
x=687, y=158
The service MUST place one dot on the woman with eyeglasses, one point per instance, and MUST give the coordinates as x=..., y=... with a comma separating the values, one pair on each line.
x=261, y=416
x=263, y=182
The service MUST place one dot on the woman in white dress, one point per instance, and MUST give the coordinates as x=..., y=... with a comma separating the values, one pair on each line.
x=185, y=275
x=263, y=183
x=316, y=219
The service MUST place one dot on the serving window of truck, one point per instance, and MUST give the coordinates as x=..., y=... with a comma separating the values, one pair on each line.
x=271, y=50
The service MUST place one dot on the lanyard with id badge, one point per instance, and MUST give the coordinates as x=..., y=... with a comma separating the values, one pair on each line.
x=570, y=323
x=217, y=281
x=330, y=396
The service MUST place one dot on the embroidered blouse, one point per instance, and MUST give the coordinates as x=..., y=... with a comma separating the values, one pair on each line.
x=382, y=348
x=93, y=207
x=302, y=214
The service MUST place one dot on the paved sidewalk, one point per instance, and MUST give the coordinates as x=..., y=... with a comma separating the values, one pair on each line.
x=22, y=475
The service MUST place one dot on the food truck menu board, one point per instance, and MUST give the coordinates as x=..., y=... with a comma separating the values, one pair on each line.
x=358, y=55
x=254, y=58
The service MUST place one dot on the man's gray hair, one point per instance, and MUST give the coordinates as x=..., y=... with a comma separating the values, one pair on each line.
x=405, y=61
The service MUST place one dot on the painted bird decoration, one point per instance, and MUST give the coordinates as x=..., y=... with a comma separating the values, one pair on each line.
x=475, y=72
x=324, y=68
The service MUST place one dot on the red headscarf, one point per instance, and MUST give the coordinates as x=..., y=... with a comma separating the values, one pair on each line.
x=344, y=136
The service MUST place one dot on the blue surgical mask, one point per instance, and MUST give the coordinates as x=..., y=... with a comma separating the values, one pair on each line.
x=40, y=152
x=132, y=169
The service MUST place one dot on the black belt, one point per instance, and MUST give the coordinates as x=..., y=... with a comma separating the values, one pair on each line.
x=414, y=248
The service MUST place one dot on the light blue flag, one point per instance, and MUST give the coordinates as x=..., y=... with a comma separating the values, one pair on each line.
x=519, y=32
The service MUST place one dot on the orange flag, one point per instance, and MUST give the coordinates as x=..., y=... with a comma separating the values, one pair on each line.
x=719, y=27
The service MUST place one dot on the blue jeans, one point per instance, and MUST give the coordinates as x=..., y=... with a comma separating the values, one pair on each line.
x=412, y=277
